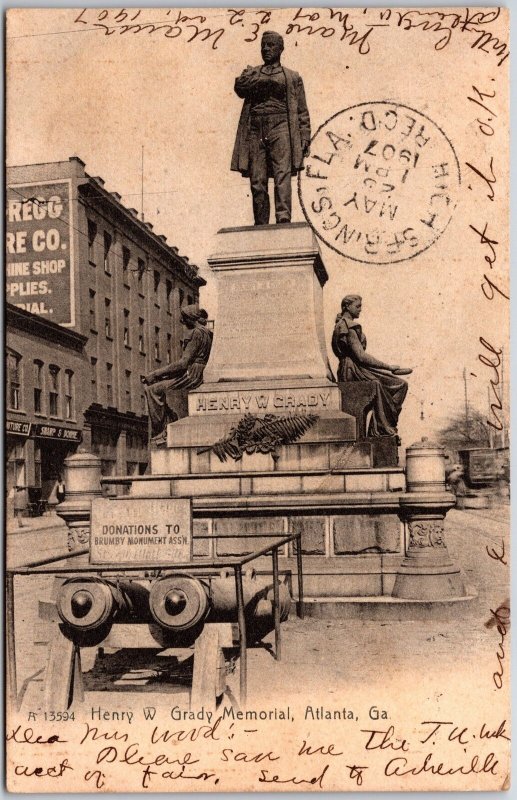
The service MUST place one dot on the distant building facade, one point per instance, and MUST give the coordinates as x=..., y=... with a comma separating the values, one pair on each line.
x=77, y=257
x=46, y=370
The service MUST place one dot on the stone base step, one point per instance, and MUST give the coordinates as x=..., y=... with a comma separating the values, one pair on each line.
x=383, y=607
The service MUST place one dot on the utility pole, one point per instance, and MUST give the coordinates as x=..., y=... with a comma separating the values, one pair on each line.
x=467, y=421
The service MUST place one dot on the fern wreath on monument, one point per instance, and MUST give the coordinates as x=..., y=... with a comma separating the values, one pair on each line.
x=254, y=434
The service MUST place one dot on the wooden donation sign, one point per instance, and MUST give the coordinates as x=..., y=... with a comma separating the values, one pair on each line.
x=153, y=531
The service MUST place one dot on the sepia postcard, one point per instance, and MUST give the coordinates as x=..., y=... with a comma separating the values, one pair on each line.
x=257, y=400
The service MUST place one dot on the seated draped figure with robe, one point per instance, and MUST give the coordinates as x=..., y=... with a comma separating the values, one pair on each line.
x=186, y=374
x=355, y=364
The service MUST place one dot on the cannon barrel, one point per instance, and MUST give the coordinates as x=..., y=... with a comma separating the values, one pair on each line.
x=177, y=606
x=181, y=603
x=92, y=604
x=258, y=602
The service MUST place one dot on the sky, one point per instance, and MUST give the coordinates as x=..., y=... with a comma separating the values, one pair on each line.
x=74, y=90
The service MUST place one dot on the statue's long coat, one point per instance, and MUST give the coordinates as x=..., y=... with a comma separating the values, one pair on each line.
x=299, y=125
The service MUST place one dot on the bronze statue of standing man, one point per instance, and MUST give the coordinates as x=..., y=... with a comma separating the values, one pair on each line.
x=274, y=129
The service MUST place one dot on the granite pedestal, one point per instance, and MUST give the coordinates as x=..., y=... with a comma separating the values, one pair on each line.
x=342, y=490
x=269, y=357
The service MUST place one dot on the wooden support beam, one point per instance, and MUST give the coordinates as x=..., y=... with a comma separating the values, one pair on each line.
x=63, y=679
x=205, y=680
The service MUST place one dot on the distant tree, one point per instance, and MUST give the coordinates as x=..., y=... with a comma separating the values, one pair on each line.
x=460, y=431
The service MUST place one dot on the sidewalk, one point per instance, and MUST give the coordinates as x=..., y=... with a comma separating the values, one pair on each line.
x=34, y=524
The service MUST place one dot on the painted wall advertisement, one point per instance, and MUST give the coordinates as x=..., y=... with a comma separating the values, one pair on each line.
x=39, y=258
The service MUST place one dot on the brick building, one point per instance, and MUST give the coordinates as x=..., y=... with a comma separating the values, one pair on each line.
x=76, y=256
x=45, y=370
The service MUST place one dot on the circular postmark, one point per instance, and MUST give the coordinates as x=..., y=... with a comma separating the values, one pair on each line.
x=379, y=183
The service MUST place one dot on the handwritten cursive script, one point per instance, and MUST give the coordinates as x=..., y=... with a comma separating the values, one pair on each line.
x=493, y=362
x=501, y=620
x=492, y=552
x=355, y=28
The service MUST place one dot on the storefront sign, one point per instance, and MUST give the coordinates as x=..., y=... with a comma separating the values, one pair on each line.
x=17, y=427
x=39, y=257
x=56, y=432
x=157, y=532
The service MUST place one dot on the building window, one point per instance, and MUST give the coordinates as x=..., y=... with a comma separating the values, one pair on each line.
x=143, y=403
x=157, y=344
x=135, y=441
x=169, y=348
x=156, y=282
x=93, y=317
x=126, y=258
x=69, y=394
x=104, y=441
x=53, y=395
x=107, y=317
x=107, y=247
x=128, y=389
x=109, y=384
x=14, y=389
x=168, y=291
x=127, y=342
x=141, y=337
x=189, y=300
x=181, y=295
x=140, y=273
x=38, y=386
x=92, y=233
x=93, y=376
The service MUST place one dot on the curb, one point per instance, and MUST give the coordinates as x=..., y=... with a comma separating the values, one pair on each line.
x=12, y=527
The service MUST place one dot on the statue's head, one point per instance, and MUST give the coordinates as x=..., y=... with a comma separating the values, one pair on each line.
x=352, y=304
x=271, y=47
x=189, y=315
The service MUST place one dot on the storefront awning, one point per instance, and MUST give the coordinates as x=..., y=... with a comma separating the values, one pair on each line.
x=44, y=431
x=17, y=427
